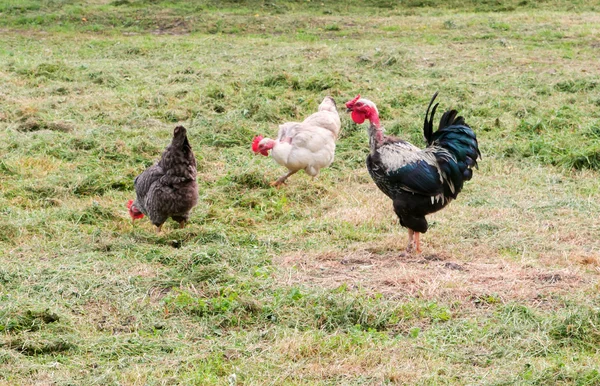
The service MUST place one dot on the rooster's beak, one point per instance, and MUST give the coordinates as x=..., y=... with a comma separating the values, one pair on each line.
x=348, y=110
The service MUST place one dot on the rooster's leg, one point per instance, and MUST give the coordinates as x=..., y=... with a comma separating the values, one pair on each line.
x=411, y=234
x=418, y=242
x=282, y=179
x=181, y=224
x=158, y=229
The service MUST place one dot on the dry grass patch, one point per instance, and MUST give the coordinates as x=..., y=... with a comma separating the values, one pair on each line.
x=106, y=317
x=434, y=277
x=36, y=167
x=307, y=358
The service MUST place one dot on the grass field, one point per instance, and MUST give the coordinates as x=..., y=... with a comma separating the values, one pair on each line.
x=308, y=284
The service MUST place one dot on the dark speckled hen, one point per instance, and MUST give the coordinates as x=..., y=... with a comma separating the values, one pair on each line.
x=419, y=181
x=168, y=188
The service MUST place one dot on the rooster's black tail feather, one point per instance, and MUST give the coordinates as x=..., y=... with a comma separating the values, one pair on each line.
x=428, y=124
x=458, y=139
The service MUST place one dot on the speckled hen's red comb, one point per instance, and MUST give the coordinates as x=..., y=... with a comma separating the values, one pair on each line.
x=255, y=142
x=351, y=103
x=133, y=211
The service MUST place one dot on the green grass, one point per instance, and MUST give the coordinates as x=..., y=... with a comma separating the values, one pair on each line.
x=306, y=284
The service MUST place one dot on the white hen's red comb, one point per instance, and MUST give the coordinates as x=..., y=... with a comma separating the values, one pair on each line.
x=255, y=142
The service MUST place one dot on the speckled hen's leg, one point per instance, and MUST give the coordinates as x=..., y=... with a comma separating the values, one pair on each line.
x=182, y=220
x=411, y=234
x=282, y=179
x=158, y=229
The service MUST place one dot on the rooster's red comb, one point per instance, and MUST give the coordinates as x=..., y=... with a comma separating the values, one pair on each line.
x=255, y=142
x=351, y=103
x=129, y=204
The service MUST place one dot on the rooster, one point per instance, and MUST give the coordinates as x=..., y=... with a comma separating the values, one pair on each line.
x=307, y=145
x=167, y=188
x=419, y=181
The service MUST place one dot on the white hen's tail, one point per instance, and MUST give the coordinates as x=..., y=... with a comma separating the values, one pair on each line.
x=327, y=117
x=328, y=104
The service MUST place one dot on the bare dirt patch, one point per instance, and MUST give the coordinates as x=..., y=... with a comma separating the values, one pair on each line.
x=433, y=277
x=168, y=26
x=107, y=317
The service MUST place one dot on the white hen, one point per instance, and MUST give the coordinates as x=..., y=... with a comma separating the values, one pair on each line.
x=307, y=145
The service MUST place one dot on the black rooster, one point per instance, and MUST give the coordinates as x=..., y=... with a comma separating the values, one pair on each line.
x=167, y=188
x=419, y=181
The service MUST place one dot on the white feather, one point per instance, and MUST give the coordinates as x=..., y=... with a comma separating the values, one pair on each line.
x=399, y=154
x=327, y=117
x=311, y=148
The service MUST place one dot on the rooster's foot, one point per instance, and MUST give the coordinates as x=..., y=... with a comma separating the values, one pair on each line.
x=418, y=242
x=276, y=183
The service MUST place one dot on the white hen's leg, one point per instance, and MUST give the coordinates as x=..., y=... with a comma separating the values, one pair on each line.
x=282, y=179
